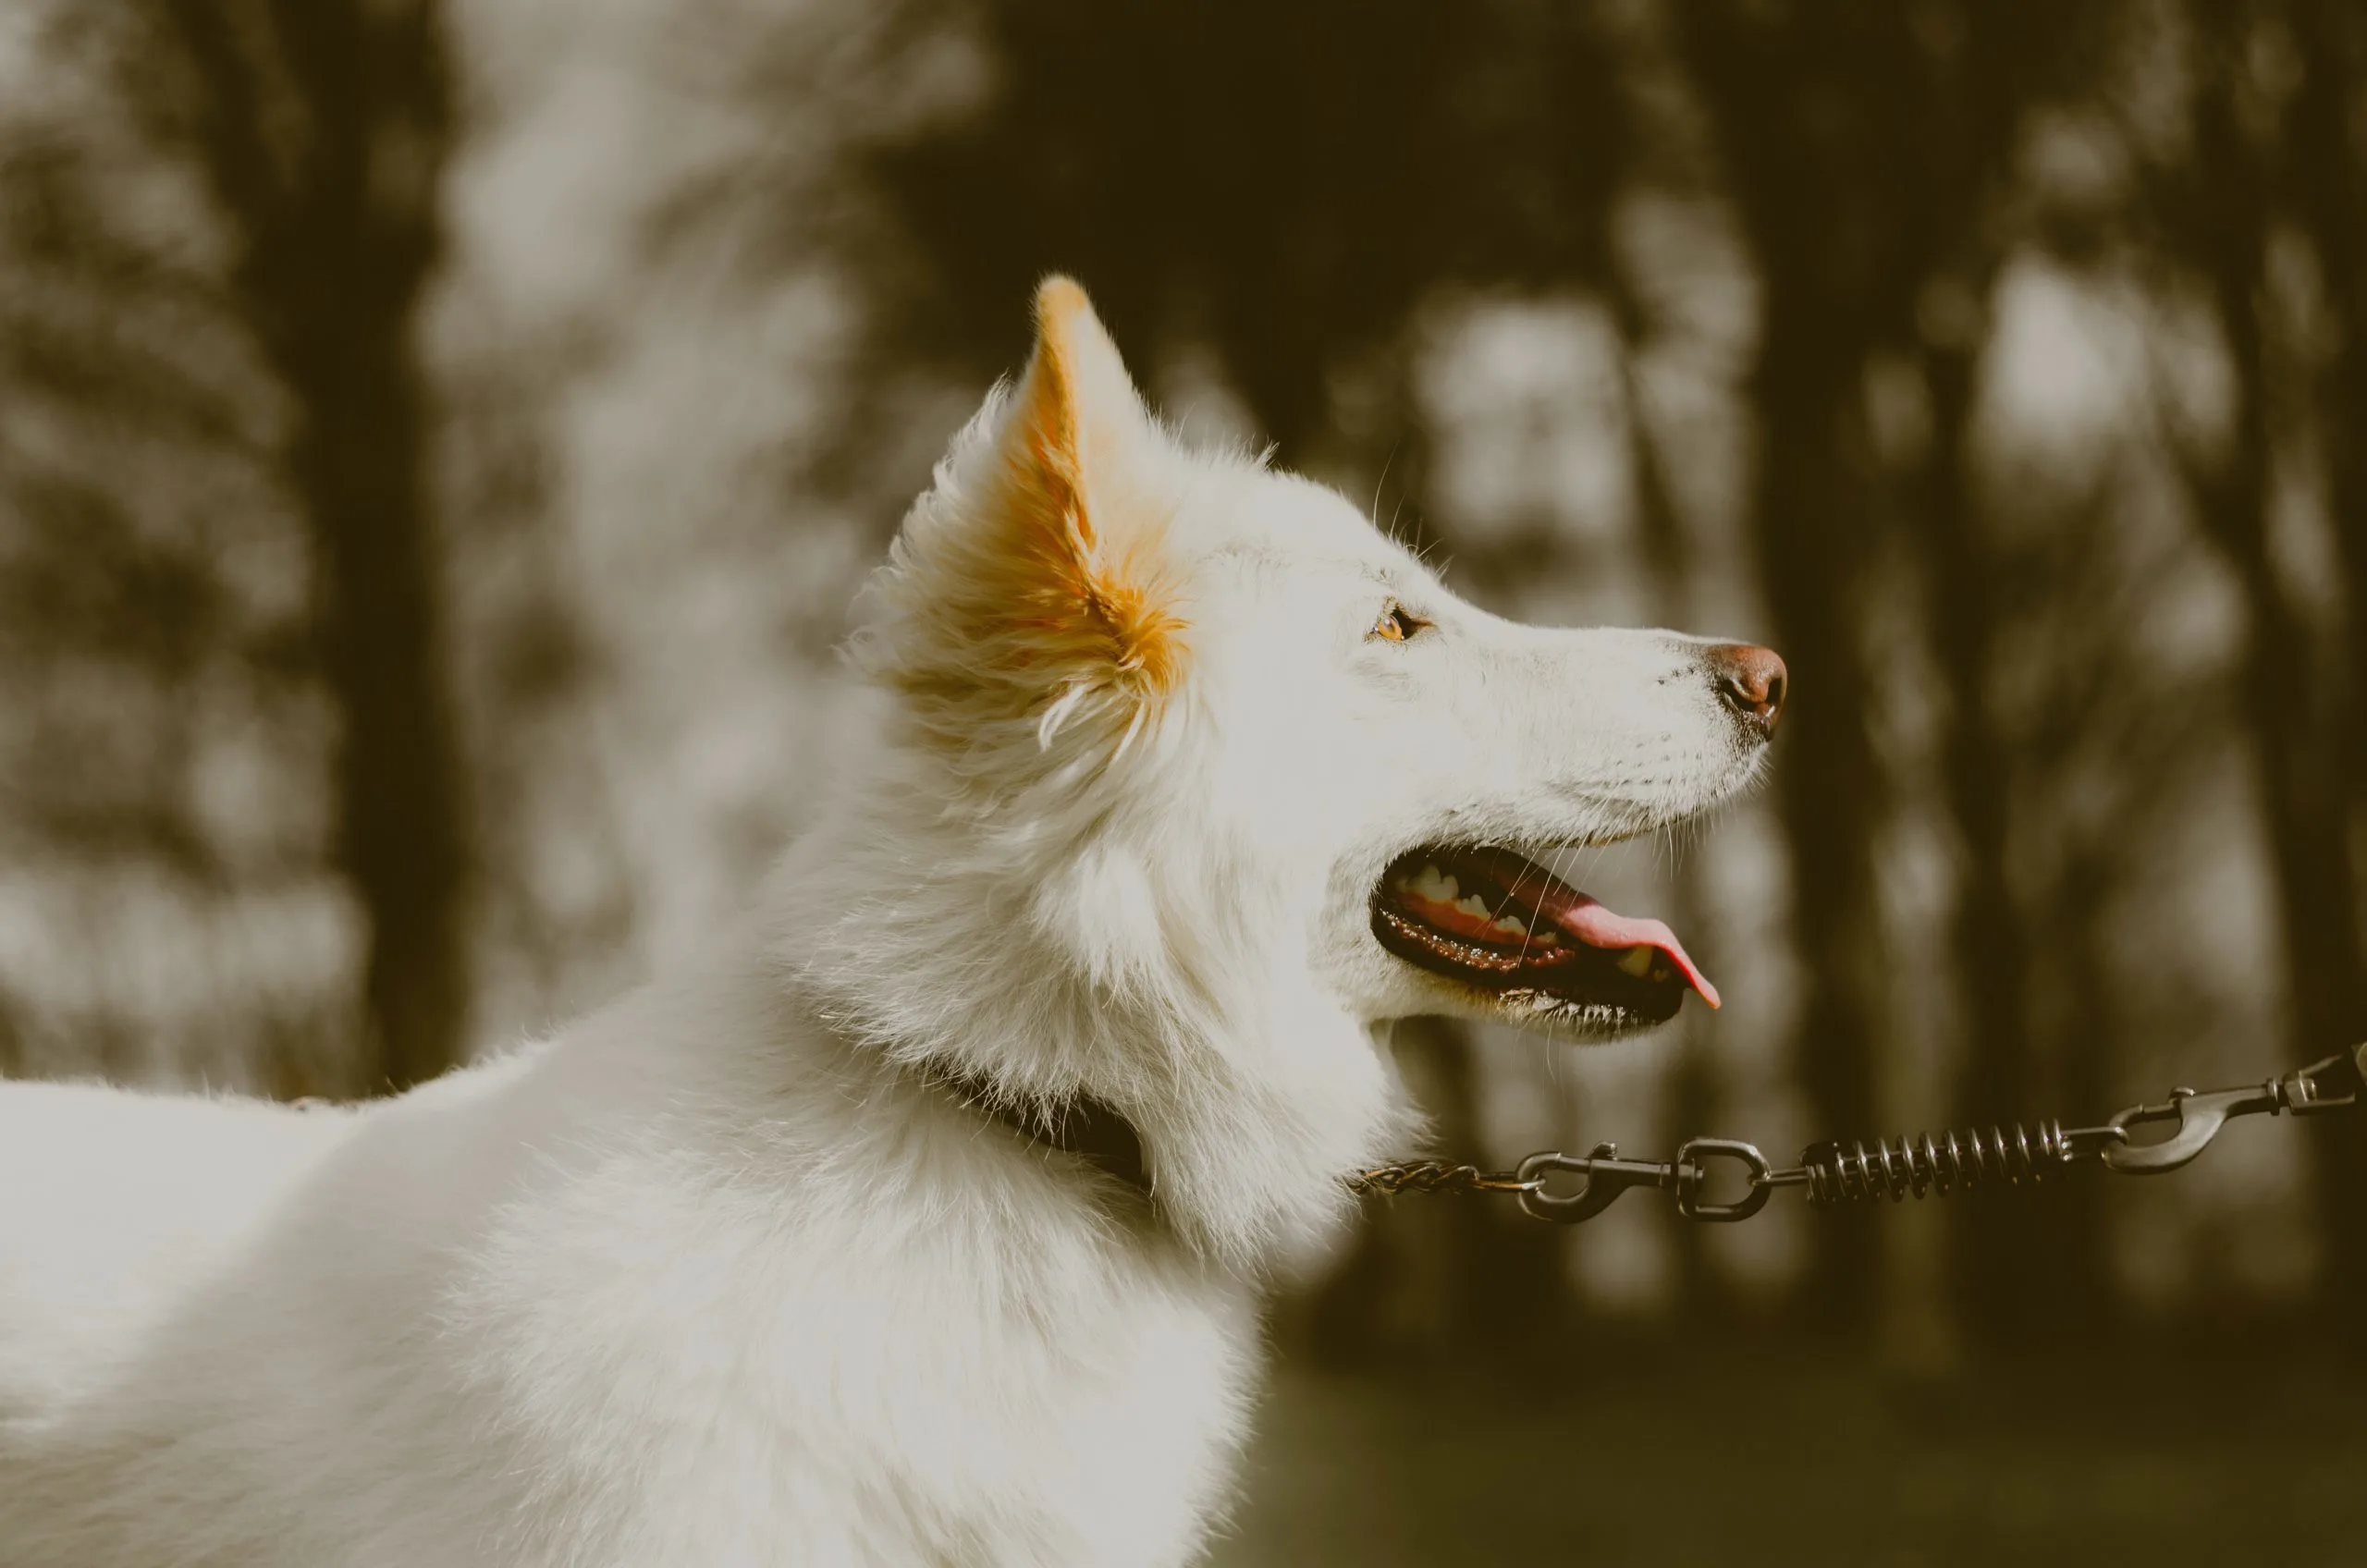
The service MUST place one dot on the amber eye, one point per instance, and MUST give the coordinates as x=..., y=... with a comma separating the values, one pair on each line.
x=1397, y=624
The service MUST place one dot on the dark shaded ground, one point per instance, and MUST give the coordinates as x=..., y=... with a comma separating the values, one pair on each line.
x=2168, y=1460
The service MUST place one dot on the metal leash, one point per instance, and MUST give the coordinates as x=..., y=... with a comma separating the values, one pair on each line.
x=1925, y=1166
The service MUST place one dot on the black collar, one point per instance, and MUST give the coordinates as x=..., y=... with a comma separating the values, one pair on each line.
x=1081, y=1126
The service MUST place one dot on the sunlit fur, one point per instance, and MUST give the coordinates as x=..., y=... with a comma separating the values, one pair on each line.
x=714, y=1275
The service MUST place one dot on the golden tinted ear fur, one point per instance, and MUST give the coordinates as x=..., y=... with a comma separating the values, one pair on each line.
x=1028, y=586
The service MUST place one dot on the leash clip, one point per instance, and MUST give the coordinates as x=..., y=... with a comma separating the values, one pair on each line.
x=2333, y=1083
x=1608, y=1176
x=2199, y=1115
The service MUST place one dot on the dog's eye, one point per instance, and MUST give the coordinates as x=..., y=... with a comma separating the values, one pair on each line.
x=1398, y=624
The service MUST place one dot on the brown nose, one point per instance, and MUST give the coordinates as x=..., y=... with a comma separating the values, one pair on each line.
x=1750, y=681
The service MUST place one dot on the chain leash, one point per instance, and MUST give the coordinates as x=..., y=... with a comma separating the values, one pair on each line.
x=1834, y=1175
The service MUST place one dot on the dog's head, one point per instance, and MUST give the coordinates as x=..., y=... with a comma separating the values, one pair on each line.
x=1232, y=723
x=1192, y=779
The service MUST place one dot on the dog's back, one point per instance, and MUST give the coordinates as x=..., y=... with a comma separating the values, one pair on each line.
x=684, y=1286
x=120, y=1206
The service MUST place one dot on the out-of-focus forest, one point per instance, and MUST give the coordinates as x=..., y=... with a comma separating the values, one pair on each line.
x=440, y=439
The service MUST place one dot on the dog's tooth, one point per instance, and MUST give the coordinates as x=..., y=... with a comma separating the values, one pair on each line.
x=1435, y=886
x=1475, y=906
x=1511, y=927
x=1637, y=961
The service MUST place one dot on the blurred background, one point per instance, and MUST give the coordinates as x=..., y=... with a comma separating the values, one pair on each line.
x=439, y=440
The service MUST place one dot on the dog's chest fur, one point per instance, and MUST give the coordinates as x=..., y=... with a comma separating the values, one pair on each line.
x=690, y=1285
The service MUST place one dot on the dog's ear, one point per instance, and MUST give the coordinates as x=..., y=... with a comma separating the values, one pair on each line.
x=1031, y=582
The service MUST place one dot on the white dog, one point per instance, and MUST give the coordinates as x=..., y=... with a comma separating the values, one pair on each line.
x=925, y=1224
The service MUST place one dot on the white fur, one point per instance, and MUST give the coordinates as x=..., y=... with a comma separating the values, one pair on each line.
x=714, y=1277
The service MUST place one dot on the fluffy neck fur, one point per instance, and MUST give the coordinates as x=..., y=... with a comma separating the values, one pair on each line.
x=1047, y=947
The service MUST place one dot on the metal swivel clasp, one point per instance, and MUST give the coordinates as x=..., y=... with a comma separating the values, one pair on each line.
x=2329, y=1084
x=1607, y=1176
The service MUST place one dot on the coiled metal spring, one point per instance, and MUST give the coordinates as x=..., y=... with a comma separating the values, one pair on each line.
x=1951, y=1162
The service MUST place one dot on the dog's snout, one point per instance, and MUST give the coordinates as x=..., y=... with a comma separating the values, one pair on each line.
x=1750, y=681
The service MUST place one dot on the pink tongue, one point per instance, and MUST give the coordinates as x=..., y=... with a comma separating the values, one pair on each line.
x=1597, y=927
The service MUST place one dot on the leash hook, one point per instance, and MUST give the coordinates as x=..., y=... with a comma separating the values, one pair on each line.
x=2332, y=1083
x=1606, y=1175
x=2199, y=1115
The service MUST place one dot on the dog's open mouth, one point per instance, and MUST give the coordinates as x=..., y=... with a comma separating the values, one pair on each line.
x=1505, y=925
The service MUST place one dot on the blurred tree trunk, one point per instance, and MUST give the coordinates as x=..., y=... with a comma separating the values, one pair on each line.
x=2313, y=723
x=2016, y=1268
x=1863, y=147
x=2326, y=153
x=2019, y=1273
x=323, y=128
x=1790, y=99
x=2299, y=722
x=1660, y=538
x=1814, y=540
